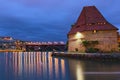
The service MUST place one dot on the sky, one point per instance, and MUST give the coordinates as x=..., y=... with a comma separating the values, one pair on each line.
x=49, y=20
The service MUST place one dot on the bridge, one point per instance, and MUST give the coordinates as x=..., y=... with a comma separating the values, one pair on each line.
x=45, y=46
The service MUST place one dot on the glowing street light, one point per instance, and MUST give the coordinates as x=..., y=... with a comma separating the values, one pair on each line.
x=78, y=35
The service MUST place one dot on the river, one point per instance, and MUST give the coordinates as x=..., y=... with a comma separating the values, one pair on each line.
x=41, y=66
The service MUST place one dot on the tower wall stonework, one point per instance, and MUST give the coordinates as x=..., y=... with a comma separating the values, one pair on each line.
x=108, y=40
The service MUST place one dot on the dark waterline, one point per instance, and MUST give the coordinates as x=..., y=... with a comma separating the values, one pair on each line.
x=41, y=66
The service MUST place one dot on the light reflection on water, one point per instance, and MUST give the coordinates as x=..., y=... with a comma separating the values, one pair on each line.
x=41, y=66
x=33, y=65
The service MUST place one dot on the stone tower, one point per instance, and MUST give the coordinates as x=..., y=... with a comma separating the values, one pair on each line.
x=92, y=26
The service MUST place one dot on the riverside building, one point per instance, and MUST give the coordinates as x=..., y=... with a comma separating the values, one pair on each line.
x=92, y=26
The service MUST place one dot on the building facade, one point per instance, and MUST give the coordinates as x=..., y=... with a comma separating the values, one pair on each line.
x=92, y=26
x=7, y=43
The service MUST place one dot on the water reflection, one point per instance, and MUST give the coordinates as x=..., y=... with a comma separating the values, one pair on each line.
x=41, y=66
x=76, y=70
x=35, y=65
x=91, y=70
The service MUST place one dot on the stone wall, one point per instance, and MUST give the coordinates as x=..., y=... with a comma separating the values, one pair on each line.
x=108, y=40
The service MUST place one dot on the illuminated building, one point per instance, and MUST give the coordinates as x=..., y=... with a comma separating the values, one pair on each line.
x=7, y=43
x=92, y=26
x=10, y=43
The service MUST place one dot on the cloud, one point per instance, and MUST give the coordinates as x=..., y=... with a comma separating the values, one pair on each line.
x=48, y=20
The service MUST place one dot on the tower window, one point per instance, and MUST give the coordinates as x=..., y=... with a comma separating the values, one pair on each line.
x=94, y=31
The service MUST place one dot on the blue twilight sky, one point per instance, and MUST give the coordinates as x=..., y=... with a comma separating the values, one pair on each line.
x=49, y=20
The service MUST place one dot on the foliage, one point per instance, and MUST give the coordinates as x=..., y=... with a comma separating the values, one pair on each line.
x=90, y=46
x=67, y=43
x=92, y=50
x=85, y=43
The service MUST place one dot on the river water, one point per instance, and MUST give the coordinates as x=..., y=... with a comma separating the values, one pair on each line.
x=41, y=66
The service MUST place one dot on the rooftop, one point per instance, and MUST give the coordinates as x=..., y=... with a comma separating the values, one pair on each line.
x=91, y=19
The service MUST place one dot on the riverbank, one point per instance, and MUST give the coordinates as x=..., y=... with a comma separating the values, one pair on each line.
x=11, y=50
x=90, y=56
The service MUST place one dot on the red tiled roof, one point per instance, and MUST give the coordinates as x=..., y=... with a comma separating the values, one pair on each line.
x=91, y=19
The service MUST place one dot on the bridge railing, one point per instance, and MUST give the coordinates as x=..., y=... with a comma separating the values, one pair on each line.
x=45, y=43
